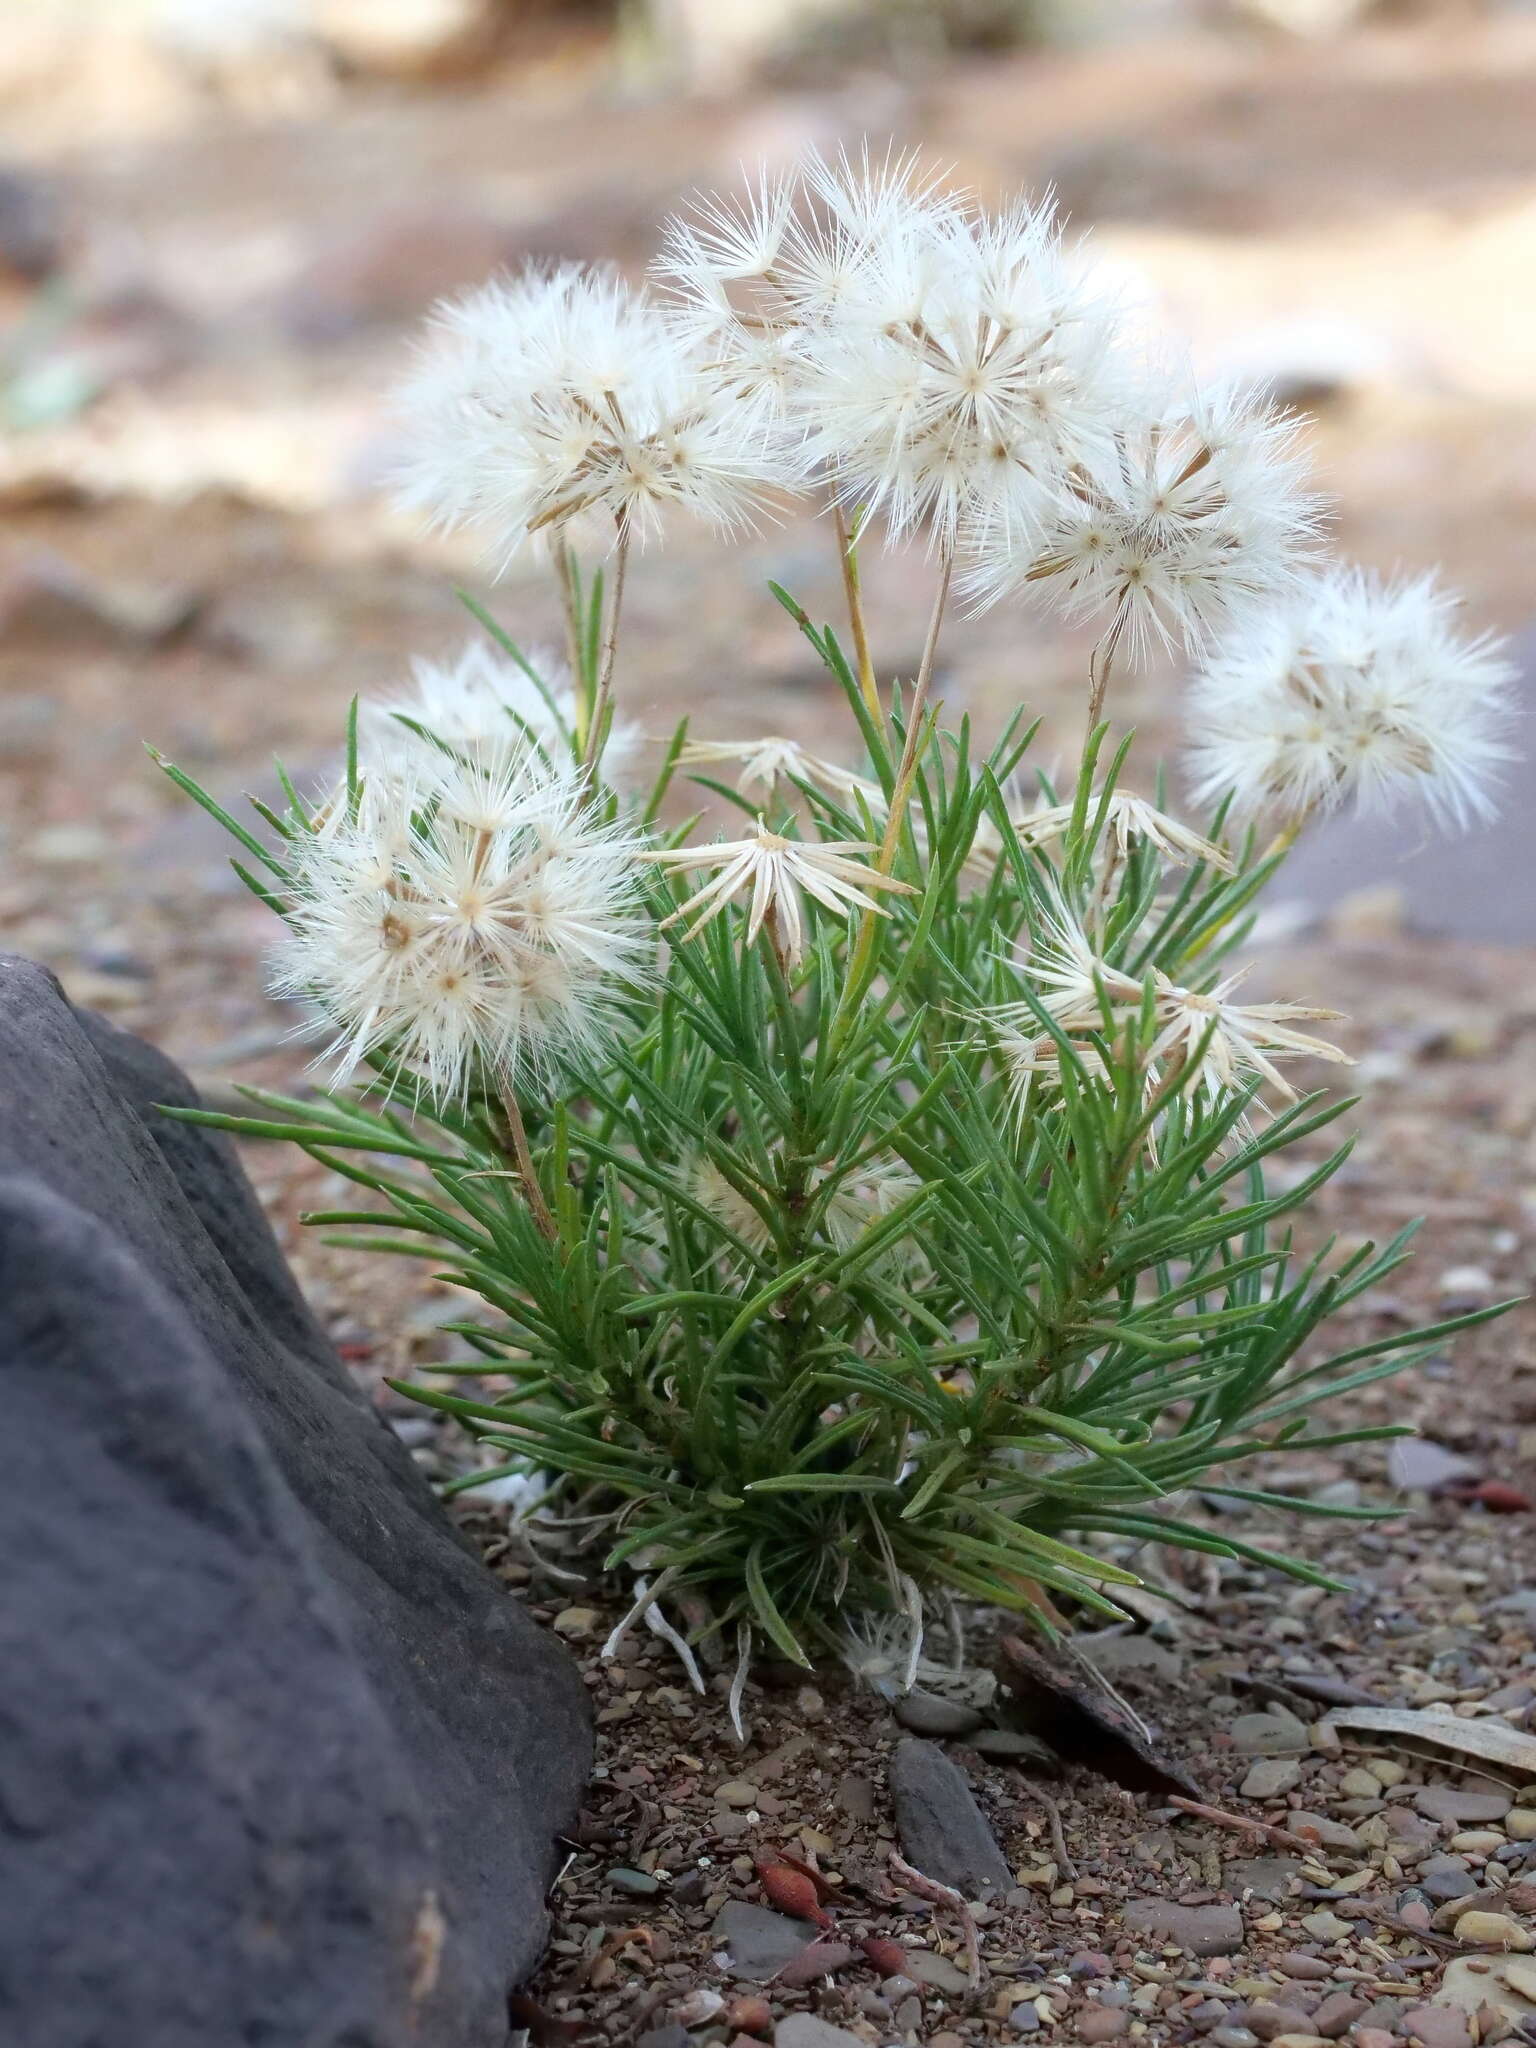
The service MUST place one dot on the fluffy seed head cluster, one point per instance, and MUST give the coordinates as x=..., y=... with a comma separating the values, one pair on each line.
x=468, y=920
x=1354, y=688
x=1193, y=515
x=563, y=393
x=483, y=703
x=860, y=329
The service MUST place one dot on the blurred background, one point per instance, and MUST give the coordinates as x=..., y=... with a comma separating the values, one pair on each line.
x=222, y=220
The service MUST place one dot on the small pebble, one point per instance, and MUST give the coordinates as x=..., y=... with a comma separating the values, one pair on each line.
x=1359, y=1784
x=1326, y=1926
x=1437, y=2026
x=928, y=1713
x=1311, y=1969
x=638, y=1882
x=737, y=1792
x=1101, y=2023
x=1494, y=1930
x=1271, y=1777
x=1337, y=2014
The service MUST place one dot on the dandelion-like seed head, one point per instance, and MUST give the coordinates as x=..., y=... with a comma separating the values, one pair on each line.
x=966, y=368
x=1128, y=818
x=564, y=395
x=713, y=1191
x=1194, y=516
x=1356, y=688
x=468, y=923
x=483, y=702
x=1072, y=982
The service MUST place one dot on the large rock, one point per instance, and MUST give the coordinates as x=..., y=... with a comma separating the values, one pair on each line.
x=279, y=1761
x=943, y=1831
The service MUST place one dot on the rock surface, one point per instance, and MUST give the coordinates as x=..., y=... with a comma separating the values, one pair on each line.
x=759, y=1942
x=1204, y=1930
x=247, y=1669
x=941, y=1827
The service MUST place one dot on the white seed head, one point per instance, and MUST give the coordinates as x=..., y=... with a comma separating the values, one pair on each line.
x=1072, y=983
x=1194, y=517
x=564, y=394
x=764, y=764
x=1219, y=1044
x=471, y=922
x=1355, y=688
x=966, y=366
x=483, y=702
x=1128, y=817
x=776, y=874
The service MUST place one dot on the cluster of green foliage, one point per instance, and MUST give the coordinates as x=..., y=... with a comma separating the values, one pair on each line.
x=1059, y=1312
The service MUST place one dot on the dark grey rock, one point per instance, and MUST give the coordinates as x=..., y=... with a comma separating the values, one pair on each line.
x=1444, y=1878
x=929, y=1713
x=1203, y=1930
x=279, y=1761
x=760, y=1942
x=941, y=1827
x=1014, y=1746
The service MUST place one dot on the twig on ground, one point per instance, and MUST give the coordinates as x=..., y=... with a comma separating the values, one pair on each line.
x=1241, y=1824
x=1064, y=1862
x=944, y=1895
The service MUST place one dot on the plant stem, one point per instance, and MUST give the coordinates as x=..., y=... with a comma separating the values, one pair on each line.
x=901, y=791
x=522, y=1158
x=565, y=575
x=909, y=752
x=1098, y=675
x=601, y=696
x=848, y=558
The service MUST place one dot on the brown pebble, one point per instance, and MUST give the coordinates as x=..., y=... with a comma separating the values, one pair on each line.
x=1437, y=2026
x=1374, y=2037
x=749, y=2015
x=1311, y=1968
x=1337, y=2014
x=1102, y=2023
x=1269, y=2021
